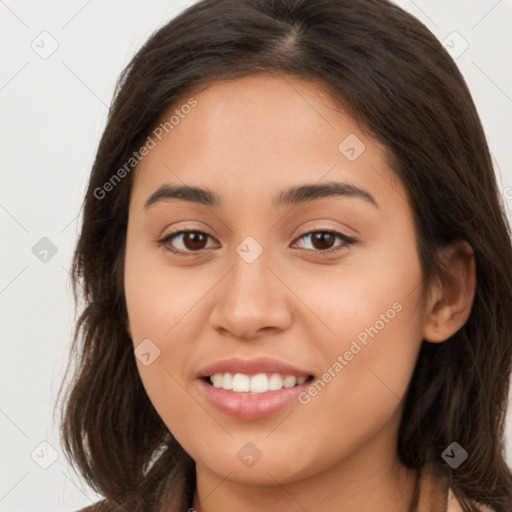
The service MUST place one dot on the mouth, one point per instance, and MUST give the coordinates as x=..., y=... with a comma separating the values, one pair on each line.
x=253, y=397
x=255, y=384
x=252, y=388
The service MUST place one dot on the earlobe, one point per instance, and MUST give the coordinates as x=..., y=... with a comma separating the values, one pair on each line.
x=450, y=302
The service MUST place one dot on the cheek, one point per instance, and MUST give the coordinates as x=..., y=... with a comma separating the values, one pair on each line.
x=358, y=297
x=162, y=305
x=158, y=319
x=373, y=367
x=160, y=299
x=374, y=317
x=360, y=393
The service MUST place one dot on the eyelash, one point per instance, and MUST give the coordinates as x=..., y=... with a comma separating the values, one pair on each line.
x=165, y=240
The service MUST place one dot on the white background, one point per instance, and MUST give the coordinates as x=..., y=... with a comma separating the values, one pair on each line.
x=53, y=113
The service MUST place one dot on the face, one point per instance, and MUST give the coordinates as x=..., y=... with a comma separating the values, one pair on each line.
x=324, y=280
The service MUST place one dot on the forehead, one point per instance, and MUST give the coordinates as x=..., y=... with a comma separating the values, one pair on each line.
x=259, y=133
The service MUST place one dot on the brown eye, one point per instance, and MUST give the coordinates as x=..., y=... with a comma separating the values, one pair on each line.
x=186, y=241
x=322, y=241
x=194, y=240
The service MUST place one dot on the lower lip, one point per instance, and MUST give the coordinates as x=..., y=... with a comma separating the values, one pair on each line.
x=251, y=406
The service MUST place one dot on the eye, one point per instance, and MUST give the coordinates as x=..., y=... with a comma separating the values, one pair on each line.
x=191, y=242
x=322, y=241
x=194, y=241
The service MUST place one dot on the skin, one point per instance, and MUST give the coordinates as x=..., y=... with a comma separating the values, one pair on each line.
x=249, y=139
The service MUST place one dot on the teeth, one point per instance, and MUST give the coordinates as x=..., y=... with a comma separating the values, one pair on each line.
x=227, y=381
x=241, y=382
x=259, y=383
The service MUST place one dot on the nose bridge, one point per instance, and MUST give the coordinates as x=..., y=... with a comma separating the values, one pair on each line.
x=251, y=279
x=250, y=267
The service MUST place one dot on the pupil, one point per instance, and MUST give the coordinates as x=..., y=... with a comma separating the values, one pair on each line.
x=321, y=237
x=194, y=238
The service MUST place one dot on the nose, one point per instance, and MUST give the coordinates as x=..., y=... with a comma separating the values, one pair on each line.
x=252, y=300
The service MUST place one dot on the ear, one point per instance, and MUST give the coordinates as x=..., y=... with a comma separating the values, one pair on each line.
x=449, y=304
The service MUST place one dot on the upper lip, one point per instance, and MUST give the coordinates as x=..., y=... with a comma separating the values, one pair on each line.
x=251, y=367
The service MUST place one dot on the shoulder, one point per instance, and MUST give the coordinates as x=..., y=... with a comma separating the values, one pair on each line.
x=454, y=504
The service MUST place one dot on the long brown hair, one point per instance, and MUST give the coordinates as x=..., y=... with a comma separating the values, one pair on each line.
x=397, y=81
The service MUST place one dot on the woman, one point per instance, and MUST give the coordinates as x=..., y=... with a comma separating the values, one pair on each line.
x=297, y=272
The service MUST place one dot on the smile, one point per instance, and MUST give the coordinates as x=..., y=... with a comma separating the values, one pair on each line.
x=250, y=405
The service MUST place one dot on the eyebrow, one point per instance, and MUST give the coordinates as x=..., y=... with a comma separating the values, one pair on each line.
x=293, y=196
